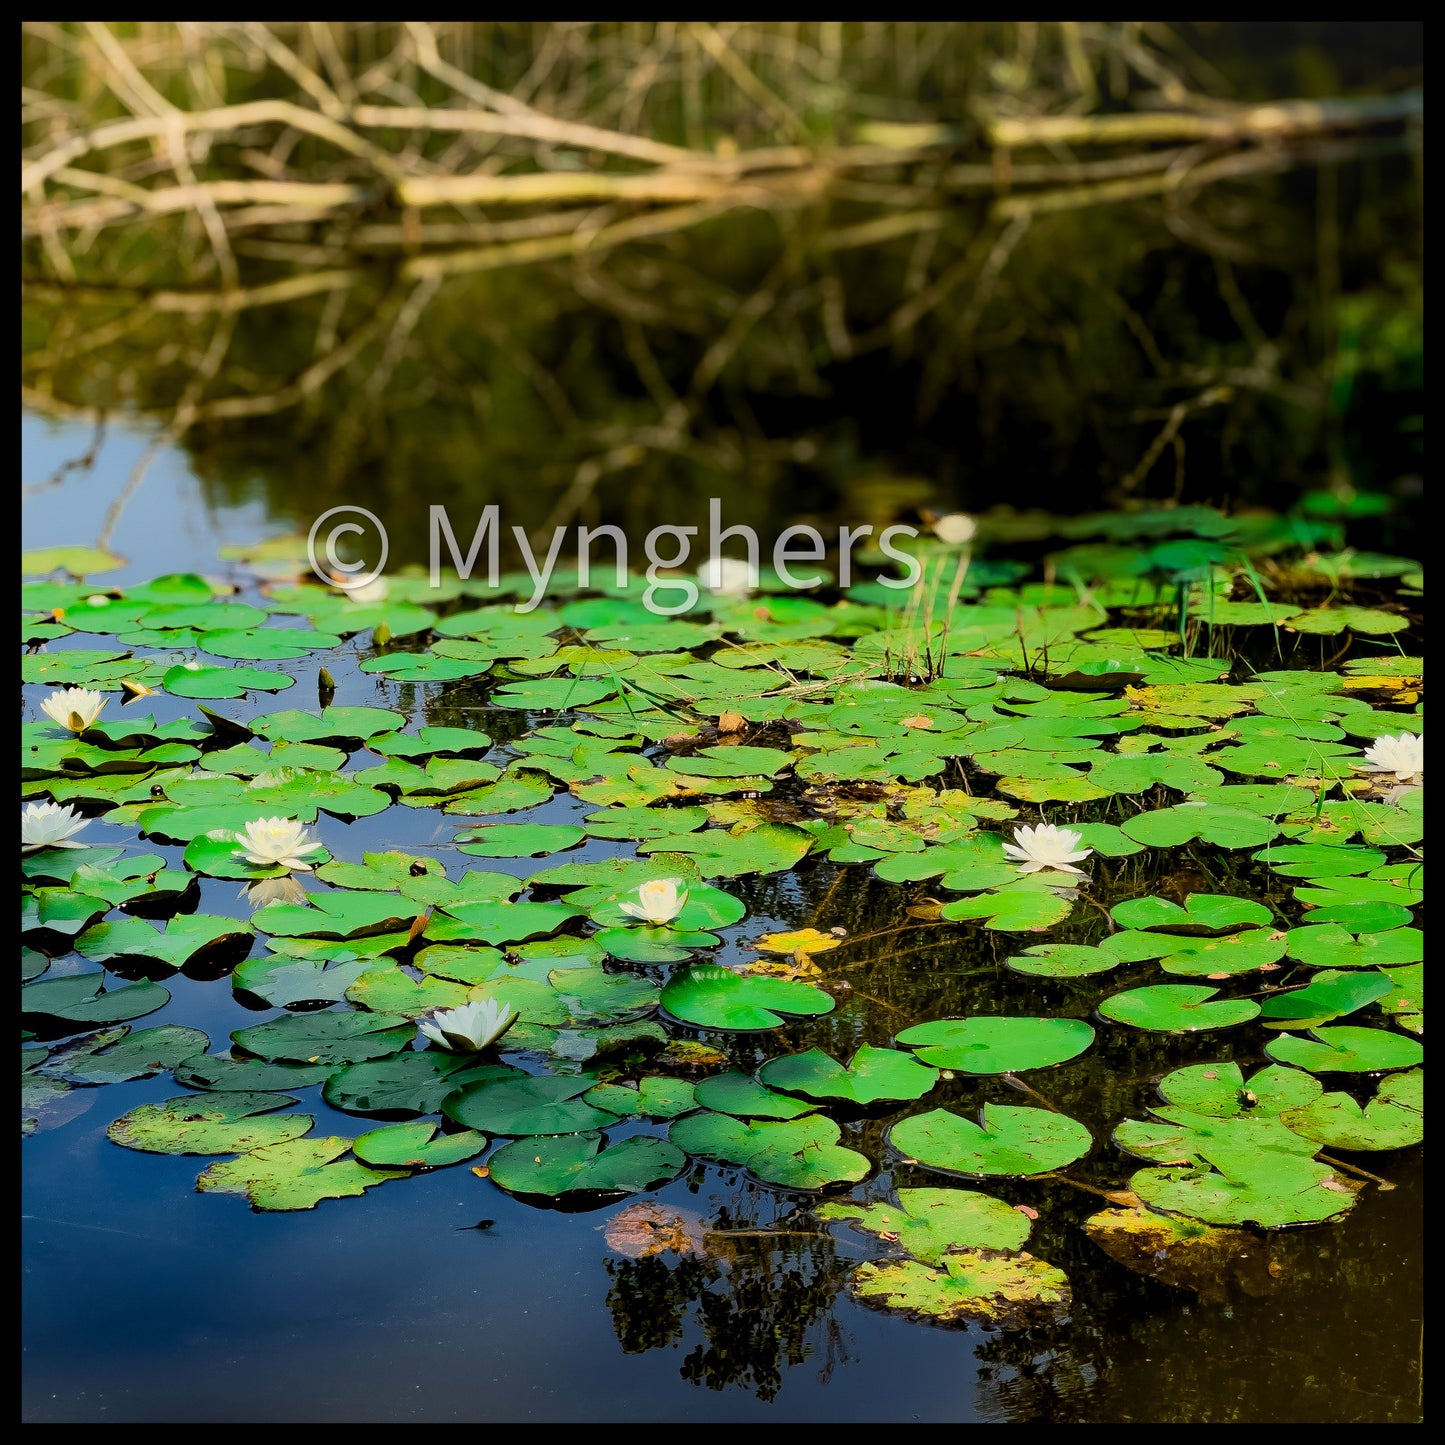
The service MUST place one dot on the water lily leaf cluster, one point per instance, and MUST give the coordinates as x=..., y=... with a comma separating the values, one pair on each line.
x=621, y=811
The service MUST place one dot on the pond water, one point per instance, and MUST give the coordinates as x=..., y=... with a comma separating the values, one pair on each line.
x=444, y=1297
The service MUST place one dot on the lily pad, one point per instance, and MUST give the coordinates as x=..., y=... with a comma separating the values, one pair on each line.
x=80, y=998
x=932, y=1223
x=1177, y=1008
x=998, y=1044
x=1292, y=1190
x=327, y=1038
x=580, y=1162
x=1005, y=1291
x=416, y=1146
x=745, y=1098
x=116, y=1055
x=210, y=1124
x=1201, y=913
x=534, y=1104
x=1331, y=994
x=710, y=996
x=521, y=840
x=294, y=1175
x=411, y=1082
x=871, y=1076
x=1346, y=1050
x=1393, y=1119
x=1220, y=1089
x=801, y=1153
x=1009, y=1141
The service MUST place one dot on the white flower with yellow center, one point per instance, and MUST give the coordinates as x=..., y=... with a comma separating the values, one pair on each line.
x=472, y=1026
x=1404, y=757
x=270, y=842
x=73, y=707
x=658, y=901
x=48, y=825
x=1047, y=847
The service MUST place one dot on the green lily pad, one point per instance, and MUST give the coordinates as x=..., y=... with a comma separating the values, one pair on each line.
x=1220, y=1089
x=768, y=848
x=553, y=694
x=201, y=681
x=643, y=822
x=871, y=1076
x=998, y=1044
x=1328, y=945
x=116, y=1055
x=654, y=1097
x=225, y=1075
x=1318, y=860
x=1225, y=827
x=1233, y=954
x=339, y=726
x=497, y=921
x=1063, y=960
x=412, y=1082
x=186, y=936
x=294, y=1175
x=521, y=840
x=1346, y=1050
x=266, y=644
x=1361, y=918
x=1009, y=1141
x=932, y=1223
x=710, y=996
x=745, y=1098
x=1331, y=994
x=1029, y=905
x=78, y=561
x=581, y=1162
x=338, y=915
x=535, y=1104
x=416, y=1145
x=81, y=999
x=218, y=854
x=641, y=944
x=1393, y=1119
x=1179, y=1136
x=1291, y=1190
x=703, y=907
x=801, y=1153
x=1004, y=1291
x=345, y=1037
x=1201, y=913
x=210, y=1124
x=282, y=981
x=1177, y=1008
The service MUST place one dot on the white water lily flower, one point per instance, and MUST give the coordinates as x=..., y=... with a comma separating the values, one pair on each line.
x=955, y=528
x=282, y=841
x=1403, y=756
x=48, y=825
x=74, y=707
x=728, y=576
x=1047, y=847
x=374, y=591
x=472, y=1026
x=658, y=901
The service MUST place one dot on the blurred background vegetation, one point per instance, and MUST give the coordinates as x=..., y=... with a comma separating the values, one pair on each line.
x=602, y=271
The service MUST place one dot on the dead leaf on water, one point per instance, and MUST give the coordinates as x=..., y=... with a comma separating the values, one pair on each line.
x=646, y=1228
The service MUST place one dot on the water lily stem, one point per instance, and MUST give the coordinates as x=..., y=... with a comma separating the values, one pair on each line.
x=1354, y=1169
